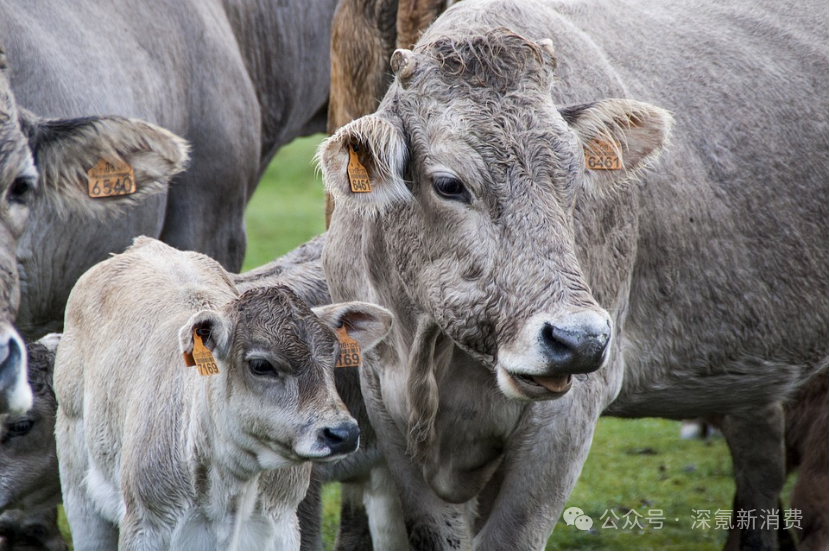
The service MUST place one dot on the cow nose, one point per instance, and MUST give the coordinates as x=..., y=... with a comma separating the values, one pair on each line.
x=341, y=439
x=15, y=393
x=576, y=348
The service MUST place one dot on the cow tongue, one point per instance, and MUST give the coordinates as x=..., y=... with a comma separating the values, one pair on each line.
x=555, y=384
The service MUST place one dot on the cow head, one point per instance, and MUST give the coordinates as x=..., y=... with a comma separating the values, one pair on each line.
x=475, y=175
x=275, y=393
x=45, y=202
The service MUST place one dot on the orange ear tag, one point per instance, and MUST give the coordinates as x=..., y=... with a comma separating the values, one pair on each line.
x=108, y=179
x=349, y=350
x=201, y=357
x=358, y=175
x=602, y=156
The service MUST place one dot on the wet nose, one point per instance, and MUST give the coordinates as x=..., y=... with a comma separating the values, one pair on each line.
x=341, y=439
x=576, y=345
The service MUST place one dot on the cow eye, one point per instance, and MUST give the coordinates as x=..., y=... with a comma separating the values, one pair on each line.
x=450, y=188
x=19, y=189
x=19, y=428
x=261, y=367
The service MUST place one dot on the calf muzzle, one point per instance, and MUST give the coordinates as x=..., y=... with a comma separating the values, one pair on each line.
x=340, y=439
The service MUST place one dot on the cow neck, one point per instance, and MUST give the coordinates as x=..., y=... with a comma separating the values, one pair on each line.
x=213, y=447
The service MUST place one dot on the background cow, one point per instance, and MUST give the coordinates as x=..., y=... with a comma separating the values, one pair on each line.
x=236, y=79
x=169, y=457
x=44, y=166
x=497, y=248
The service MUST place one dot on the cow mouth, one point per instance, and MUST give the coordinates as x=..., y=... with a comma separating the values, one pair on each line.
x=535, y=388
x=554, y=384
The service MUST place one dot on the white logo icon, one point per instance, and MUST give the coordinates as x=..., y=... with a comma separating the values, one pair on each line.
x=576, y=517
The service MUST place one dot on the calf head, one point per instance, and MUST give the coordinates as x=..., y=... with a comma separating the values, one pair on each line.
x=47, y=237
x=28, y=460
x=275, y=394
x=475, y=176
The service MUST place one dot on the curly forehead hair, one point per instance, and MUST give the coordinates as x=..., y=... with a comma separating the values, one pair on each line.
x=276, y=300
x=497, y=59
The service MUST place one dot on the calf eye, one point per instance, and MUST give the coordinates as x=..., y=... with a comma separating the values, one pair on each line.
x=450, y=188
x=261, y=367
x=19, y=428
x=19, y=189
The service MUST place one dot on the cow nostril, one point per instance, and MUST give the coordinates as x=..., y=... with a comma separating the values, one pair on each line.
x=573, y=350
x=341, y=439
x=559, y=344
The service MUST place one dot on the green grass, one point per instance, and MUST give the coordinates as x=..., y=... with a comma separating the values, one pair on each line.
x=638, y=465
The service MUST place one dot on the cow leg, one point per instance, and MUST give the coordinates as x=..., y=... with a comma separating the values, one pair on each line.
x=386, y=521
x=807, y=448
x=540, y=469
x=756, y=442
x=354, y=532
x=90, y=530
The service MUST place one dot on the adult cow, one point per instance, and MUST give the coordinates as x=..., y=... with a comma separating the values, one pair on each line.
x=237, y=79
x=533, y=292
x=44, y=167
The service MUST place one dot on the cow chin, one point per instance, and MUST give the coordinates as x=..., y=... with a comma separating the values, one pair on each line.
x=523, y=387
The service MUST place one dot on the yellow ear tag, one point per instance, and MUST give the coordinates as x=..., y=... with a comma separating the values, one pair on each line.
x=201, y=357
x=111, y=179
x=602, y=156
x=358, y=175
x=349, y=350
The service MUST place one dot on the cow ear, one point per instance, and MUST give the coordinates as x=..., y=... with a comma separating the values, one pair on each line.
x=214, y=329
x=66, y=150
x=619, y=138
x=363, y=164
x=365, y=323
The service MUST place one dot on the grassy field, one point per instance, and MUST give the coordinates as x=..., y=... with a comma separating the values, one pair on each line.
x=636, y=468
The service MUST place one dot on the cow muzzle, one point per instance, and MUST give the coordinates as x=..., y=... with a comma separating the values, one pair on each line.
x=549, y=350
x=15, y=393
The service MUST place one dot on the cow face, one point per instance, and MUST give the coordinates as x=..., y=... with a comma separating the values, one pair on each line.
x=475, y=176
x=45, y=206
x=275, y=394
x=28, y=461
x=17, y=178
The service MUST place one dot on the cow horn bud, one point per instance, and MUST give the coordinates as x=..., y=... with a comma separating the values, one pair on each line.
x=403, y=63
x=548, y=51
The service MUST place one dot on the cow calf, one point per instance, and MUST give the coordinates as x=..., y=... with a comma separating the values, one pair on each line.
x=154, y=455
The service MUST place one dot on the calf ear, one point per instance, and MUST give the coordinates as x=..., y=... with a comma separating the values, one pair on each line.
x=215, y=330
x=619, y=138
x=65, y=150
x=365, y=323
x=363, y=164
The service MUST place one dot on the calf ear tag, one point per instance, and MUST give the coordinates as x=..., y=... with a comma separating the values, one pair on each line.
x=358, y=175
x=201, y=357
x=110, y=178
x=349, y=350
x=602, y=156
